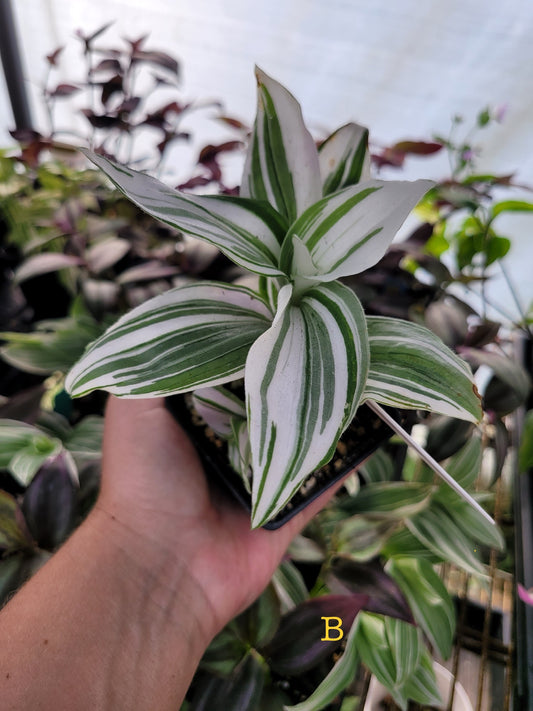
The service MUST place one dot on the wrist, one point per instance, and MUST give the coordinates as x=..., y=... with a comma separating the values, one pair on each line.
x=163, y=594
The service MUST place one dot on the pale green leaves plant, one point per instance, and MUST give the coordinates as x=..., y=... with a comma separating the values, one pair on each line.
x=304, y=219
x=430, y=602
x=24, y=449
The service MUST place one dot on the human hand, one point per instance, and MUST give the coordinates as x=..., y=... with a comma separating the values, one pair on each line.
x=155, y=488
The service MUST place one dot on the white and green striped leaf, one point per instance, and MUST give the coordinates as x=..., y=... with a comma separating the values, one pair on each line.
x=217, y=406
x=304, y=379
x=24, y=449
x=350, y=230
x=194, y=336
x=469, y=520
x=410, y=367
x=247, y=231
x=344, y=158
x=430, y=602
x=342, y=674
x=281, y=165
x=289, y=586
x=422, y=687
x=239, y=451
x=405, y=645
x=437, y=530
x=393, y=651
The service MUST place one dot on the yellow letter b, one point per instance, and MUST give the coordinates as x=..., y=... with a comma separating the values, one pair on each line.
x=329, y=626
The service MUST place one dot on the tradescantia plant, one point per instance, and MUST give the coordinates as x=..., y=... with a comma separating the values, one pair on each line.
x=305, y=218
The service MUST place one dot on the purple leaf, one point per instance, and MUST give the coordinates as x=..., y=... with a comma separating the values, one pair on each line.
x=53, y=57
x=49, y=503
x=108, y=65
x=161, y=59
x=240, y=691
x=384, y=595
x=298, y=646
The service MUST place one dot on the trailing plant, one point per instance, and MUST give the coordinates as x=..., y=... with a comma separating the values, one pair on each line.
x=308, y=354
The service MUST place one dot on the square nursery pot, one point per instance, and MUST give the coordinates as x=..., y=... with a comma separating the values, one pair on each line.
x=363, y=436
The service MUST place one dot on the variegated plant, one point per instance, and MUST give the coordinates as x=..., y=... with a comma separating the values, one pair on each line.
x=309, y=356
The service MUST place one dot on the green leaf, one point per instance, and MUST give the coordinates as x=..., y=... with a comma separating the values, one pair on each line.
x=344, y=158
x=338, y=678
x=55, y=345
x=496, y=248
x=281, y=165
x=14, y=435
x=193, y=336
x=289, y=585
x=350, y=230
x=394, y=652
x=378, y=467
x=247, y=232
x=362, y=538
x=85, y=440
x=469, y=520
x=438, y=531
x=525, y=452
x=465, y=465
x=240, y=691
x=422, y=686
x=223, y=653
x=428, y=599
x=24, y=448
x=217, y=407
x=511, y=206
x=411, y=368
x=391, y=499
x=259, y=622
x=404, y=543
x=304, y=379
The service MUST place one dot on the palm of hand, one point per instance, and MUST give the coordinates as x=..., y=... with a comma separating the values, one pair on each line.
x=154, y=484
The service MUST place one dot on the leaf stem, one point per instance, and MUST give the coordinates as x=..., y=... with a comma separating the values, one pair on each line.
x=428, y=459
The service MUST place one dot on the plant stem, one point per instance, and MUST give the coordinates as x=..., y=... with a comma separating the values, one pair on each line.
x=428, y=459
x=510, y=286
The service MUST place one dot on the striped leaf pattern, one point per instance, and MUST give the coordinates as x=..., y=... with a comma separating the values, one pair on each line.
x=339, y=677
x=248, y=232
x=344, y=158
x=193, y=336
x=350, y=230
x=410, y=367
x=304, y=379
x=217, y=406
x=428, y=598
x=437, y=530
x=282, y=161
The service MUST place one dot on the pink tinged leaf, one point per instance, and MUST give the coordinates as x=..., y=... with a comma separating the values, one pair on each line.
x=525, y=595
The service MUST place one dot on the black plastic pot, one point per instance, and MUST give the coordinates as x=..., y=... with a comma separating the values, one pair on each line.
x=364, y=435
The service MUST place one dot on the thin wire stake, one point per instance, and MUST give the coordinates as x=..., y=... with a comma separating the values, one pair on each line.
x=428, y=459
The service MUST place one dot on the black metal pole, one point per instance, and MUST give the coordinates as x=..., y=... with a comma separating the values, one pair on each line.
x=10, y=54
x=523, y=510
